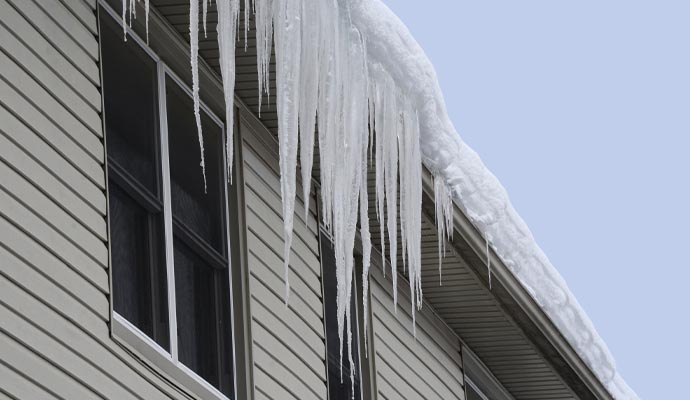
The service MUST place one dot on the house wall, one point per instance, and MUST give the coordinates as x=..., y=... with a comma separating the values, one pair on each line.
x=54, y=335
x=428, y=366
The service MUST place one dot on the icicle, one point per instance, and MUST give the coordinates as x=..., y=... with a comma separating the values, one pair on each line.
x=488, y=261
x=132, y=9
x=380, y=168
x=124, y=19
x=246, y=22
x=391, y=128
x=328, y=106
x=364, y=210
x=411, y=202
x=146, y=11
x=194, y=60
x=308, y=93
x=443, y=203
x=287, y=47
x=263, y=10
x=228, y=13
x=204, y=10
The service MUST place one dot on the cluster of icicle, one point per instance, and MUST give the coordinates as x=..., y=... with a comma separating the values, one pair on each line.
x=321, y=69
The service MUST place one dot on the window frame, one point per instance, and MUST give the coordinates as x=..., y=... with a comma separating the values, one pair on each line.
x=123, y=331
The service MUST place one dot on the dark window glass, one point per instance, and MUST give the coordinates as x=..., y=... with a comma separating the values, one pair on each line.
x=131, y=106
x=201, y=212
x=134, y=185
x=338, y=390
x=203, y=318
x=202, y=289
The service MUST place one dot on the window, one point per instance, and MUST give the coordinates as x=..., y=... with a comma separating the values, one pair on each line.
x=337, y=389
x=169, y=231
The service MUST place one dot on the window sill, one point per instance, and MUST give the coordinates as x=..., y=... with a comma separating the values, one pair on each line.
x=160, y=361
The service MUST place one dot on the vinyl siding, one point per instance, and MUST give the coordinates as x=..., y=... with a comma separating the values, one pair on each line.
x=288, y=348
x=426, y=367
x=54, y=312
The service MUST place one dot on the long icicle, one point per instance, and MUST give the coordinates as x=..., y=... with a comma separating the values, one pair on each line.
x=287, y=46
x=194, y=61
x=228, y=13
x=308, y=94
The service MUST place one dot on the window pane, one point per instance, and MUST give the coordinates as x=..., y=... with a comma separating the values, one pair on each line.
x=203, y=318
x=131, y=107
x=138, y=267
x=336, y=389
x=201, y=212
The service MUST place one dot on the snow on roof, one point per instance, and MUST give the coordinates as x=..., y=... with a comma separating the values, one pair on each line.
x=357, y=64
x=477, y=191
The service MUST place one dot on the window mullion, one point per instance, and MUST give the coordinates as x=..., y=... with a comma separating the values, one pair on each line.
x=167, y=211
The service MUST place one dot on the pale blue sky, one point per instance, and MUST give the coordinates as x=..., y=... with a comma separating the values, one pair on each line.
x=582, y=110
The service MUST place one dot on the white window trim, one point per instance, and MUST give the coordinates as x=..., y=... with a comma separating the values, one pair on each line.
x=123, y=331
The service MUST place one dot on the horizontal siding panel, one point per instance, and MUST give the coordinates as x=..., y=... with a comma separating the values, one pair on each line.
x=53, y=162
x=26, y=112
x=275, y=284
x=270, y=226
x=270, y=387
x=425, y=366
x=84, y=13
x=441, y=377
x=30, y=364
x=433, y=337
x=308, y=290
x=50, y=266
x=87, y=136
x=59, y=38
x=71, y=25
x=44, y=50
x=269, y=190
x=92, y=217
x=42, y=73
x=18, y=387
x=304, y=240
x=290, y=374
x=24, y=276
x=53, y=240
x=276, y=316
x=53, y=214
x=61, y=357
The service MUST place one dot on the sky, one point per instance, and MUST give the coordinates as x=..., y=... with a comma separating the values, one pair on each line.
x=582, y=111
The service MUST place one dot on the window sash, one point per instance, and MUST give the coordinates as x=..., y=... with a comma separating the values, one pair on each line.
x=173, y=227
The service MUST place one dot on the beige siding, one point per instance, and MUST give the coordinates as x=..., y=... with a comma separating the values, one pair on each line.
x=54, y=312
x=426, y=367
x=288, y=347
